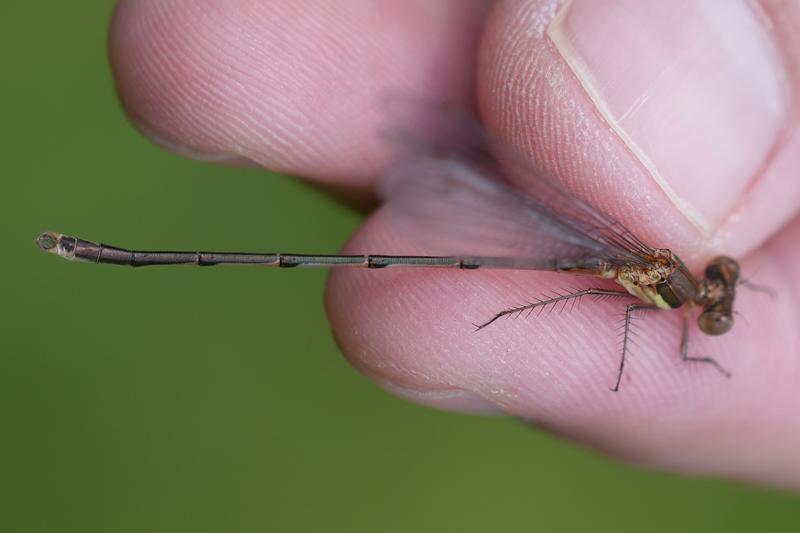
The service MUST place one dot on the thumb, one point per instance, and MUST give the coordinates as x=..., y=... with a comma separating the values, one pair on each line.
x=683, y=110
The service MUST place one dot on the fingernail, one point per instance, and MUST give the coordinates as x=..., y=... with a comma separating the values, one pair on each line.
x=696, y=90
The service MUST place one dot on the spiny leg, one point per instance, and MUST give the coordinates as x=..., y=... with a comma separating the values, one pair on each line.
x=685, y=350
x=628, y=312
x=543, y=303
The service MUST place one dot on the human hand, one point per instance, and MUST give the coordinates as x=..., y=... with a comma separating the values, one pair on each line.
x=681, y=122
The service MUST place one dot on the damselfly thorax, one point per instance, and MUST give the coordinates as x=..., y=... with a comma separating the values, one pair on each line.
x=668, y=284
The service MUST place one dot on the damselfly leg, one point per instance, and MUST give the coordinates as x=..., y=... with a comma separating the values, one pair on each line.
x=629, y=310
x=685, y=350
x=511, y=311
x=541, y=304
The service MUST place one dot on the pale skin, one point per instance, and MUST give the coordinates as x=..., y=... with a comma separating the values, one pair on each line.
x=295, y=86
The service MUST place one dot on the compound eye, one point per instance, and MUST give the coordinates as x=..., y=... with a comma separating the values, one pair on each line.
x=714, y=322
x=723, y=268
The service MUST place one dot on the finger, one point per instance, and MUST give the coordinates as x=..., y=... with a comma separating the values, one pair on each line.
x=680, y=120
x=412, y=332
x=293, y=85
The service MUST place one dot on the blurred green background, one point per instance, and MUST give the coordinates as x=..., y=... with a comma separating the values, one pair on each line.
x=215, y=399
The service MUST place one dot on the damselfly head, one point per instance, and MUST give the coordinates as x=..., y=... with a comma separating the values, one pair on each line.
x=722, y=274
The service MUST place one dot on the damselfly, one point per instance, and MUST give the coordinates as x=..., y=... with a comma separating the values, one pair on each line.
x=454, y=188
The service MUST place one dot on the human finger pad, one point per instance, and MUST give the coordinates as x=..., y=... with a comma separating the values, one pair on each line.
x=294, y=86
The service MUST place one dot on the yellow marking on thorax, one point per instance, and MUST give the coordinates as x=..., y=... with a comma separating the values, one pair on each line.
x=646, y=293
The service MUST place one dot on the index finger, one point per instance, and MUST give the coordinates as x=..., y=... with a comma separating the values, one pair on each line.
x=294, y=86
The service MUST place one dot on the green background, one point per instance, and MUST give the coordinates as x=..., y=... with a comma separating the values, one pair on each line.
x=215, y=399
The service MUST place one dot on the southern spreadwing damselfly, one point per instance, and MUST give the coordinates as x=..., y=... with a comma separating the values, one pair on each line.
x=453, y=187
